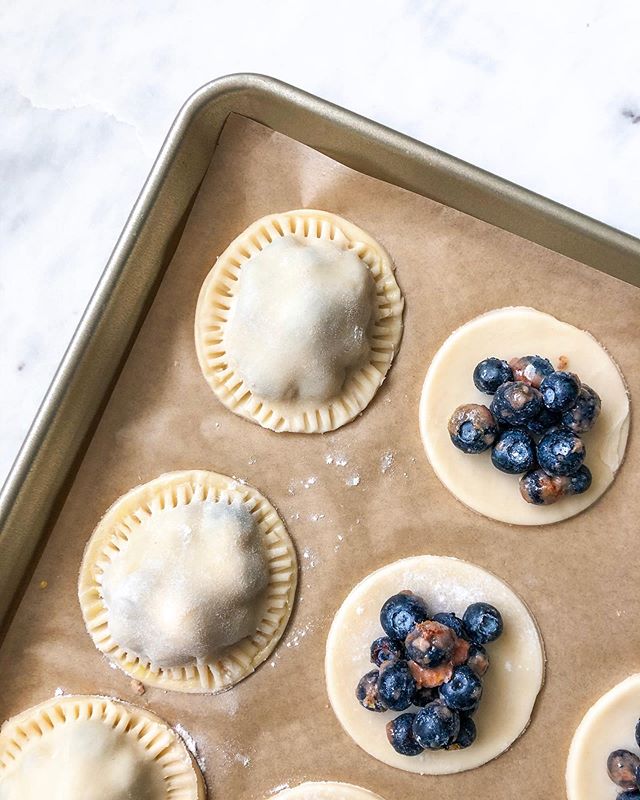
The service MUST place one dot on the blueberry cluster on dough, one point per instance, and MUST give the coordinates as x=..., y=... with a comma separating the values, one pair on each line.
x=532, y=426
x=623, y=767
x=433, y=663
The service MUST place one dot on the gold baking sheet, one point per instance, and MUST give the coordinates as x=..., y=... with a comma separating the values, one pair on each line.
x=346, y=519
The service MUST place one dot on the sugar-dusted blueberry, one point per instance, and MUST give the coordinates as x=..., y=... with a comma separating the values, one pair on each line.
x=424, y=695
x=531, y=369
x=400, y=735
x=401, y=613
x=449, y=619
x=367, y=692
x=466, y=735
x=622, y=766
x=561, y=452
x=482, y=622
x=436, y=726
x=540, y=489
x=580, y=482
x=560, y=390
x=515, y=403
x=385, y=649
x=514, y=451
x=583, y=414
x=491, y=373
x=463, y=690
x=543, y=422
x=478, y=659
x=472, y=428
x=396, y=685
x=430, y=643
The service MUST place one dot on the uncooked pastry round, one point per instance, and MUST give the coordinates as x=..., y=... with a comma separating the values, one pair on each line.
x=326, y=790
x=607, y=726
x=511, y=685
x=188, y=581
x=508, y=333
x=298, y=321
x=94, y=748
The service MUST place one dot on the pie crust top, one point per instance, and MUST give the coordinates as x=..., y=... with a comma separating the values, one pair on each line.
x=298, y=321
x=94, y=748
x=326, y=790
x=188, y=581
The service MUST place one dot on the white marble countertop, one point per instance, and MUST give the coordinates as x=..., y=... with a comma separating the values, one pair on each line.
x=545, y=94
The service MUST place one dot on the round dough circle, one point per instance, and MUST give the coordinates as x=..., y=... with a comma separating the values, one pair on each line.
x=326, y=790
x=511, y=685
x=339, y=387
x=507, y=333
x=607, y=726
x=94, y=748
x=150, y=562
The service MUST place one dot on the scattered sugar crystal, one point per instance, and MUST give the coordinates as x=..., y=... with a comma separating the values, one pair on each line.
x=58, y=692
x=279, y=788
x=316, y=517
x=328, y=459
x=360, y=610
x=311, y=480
x=386, y=461
x=252, y=460
x=353, y=480
x=508, y=666
x=242, y=759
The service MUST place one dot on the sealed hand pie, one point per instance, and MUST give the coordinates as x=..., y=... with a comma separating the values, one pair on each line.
x=188, y=581
x=298, y=321
x=93, y=748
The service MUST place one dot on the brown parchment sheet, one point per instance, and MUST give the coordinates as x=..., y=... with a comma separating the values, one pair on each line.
x=353, y=500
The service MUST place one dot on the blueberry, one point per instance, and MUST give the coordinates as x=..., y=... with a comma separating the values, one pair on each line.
x=478, y=659
x=467, y=734
x=483, y=623
x=463, y=691
x=560, y=390
x=385, y=649
x=430, y=644
x=514, y=452
x=472, y=428
x=583, y=414
x=367, y=692
x=541, y=489
x=622, y=766
x=632, y=794
x=424, y=695
x=491, y=373
x=638, y=733
x=561, y=452
x=531, y=369
x=580, y=482
x=400, y=735
x=401, y=613
x=515, y=404
x=436, y=726
x=449, y=619
x=543, y=422
x=396, y=685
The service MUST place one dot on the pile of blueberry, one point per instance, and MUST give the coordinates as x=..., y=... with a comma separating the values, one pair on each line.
x=532, y=425
x=623, y=767
x=434, y=663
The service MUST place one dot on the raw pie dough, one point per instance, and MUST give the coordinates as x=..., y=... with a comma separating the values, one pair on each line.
x=298, y=321
x=511, y=685
x=507, y=333
x=188, y=581
x=608, y=725
x=327, y=791
x=94, y=748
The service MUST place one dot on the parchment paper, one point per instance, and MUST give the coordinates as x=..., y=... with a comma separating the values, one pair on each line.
x=347, y=519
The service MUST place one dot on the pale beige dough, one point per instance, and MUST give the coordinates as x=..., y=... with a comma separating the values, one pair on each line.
x=507, y=333
x=326, y=790
x=298, y=321
x=93, y=748
x=607, y=726
x=188, y=581
x=511, y=685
